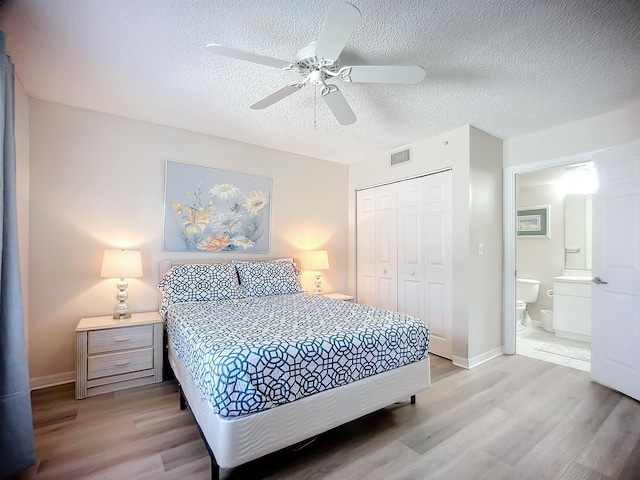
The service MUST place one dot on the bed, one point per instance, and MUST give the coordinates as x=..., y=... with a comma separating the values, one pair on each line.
x=263, y=365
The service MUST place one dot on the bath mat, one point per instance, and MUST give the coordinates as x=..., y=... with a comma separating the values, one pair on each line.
x=571, y=351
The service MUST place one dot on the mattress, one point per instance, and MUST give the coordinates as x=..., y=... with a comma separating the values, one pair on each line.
x=252, y=354
x=237, y=440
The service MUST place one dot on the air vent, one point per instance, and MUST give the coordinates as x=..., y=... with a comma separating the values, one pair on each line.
x=403, y=156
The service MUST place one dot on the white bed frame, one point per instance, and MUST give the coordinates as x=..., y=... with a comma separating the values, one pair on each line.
x=232, y=441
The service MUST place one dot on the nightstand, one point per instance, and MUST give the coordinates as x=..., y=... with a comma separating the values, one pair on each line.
x=114, y=355
x=340, y=296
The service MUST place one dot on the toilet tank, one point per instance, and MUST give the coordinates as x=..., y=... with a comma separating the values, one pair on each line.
x=527, y=290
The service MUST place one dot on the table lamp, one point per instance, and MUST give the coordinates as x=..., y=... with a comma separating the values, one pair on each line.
x=121, y=264
x=317, y=260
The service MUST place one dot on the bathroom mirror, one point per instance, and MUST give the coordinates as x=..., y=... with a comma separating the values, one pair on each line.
x=577, y=232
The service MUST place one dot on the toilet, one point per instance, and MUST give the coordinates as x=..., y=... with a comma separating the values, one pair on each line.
x=526, y=292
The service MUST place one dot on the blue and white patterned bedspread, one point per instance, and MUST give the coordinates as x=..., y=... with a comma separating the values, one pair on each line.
x=255, y=353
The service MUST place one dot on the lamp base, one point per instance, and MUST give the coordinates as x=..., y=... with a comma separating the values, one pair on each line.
x=318, y=290
x=122, y=310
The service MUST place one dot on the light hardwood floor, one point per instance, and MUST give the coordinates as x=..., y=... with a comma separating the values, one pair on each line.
x=511, y=418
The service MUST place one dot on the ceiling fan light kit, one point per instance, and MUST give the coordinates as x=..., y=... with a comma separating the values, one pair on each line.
x=317, y=63
x=316, y=78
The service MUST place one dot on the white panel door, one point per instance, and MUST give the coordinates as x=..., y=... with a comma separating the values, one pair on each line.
x=615, y=339
x=366, y=246
x=411, y=241
x=404, y=257
x=438, y=312
x=425, y=269
x=386, y=249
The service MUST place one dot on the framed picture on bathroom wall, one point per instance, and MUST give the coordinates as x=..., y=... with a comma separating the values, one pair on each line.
x=533, y=222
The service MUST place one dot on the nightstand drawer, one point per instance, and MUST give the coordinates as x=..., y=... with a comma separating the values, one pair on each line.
x=122, y=338
x=118, y=363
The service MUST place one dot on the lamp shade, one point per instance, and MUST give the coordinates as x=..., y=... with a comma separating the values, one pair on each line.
x=316, y=260
x=121, y=264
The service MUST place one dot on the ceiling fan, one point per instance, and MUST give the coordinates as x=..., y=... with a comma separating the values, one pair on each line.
x=318, y=63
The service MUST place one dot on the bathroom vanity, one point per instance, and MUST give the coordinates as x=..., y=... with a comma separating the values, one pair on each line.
x=572, y=307
x=572, y=290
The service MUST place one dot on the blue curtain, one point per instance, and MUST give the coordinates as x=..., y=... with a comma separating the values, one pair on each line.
x=16, y=427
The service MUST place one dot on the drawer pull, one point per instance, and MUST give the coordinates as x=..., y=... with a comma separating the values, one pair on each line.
x=121, y=362
x=121, y=339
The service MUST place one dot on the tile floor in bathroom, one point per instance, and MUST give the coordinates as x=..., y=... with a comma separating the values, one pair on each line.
x=528, y=338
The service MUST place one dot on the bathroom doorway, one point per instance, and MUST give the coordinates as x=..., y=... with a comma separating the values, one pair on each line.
x=556, y=255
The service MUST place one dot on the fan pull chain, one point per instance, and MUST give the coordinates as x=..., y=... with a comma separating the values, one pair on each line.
x=315, y=99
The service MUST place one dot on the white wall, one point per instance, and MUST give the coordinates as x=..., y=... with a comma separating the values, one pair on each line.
x=485, y=227
x=452, y=150
x=587, y=135
x=22, y=193
x=97, y=181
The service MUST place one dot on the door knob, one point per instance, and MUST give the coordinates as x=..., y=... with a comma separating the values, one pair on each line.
x=598, y=281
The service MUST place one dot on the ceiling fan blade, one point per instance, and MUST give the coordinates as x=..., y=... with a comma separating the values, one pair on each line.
x=338, y=105
x=382, y=74
x=342, y=20
x=247, y=56
x=277, y=96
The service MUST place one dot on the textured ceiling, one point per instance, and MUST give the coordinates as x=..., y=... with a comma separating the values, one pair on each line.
x=508, y=67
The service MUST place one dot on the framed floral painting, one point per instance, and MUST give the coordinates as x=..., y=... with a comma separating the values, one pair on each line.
x=211, y=210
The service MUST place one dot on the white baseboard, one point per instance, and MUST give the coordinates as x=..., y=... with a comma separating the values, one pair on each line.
x=36, y=383
x=469, y=363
